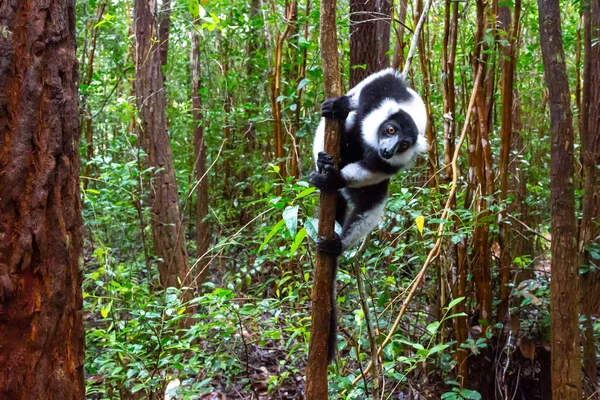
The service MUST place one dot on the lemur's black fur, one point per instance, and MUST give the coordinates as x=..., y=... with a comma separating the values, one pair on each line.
x=382, y=131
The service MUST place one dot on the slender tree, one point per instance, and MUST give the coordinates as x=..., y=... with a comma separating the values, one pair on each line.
x=167, y=227
x=590, y=152
x=566, y=367
x=507, y=91
x=316, y=370
x=202, y=230
x=41, y=318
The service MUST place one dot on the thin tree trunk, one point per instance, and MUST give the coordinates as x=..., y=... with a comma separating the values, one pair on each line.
x=449, y=89
x=278, y=135
x=87, y=114
x=590, y=152
x=566, y=366
x=508, y=73
x=41, y=317
x=164, y=28
x=316, y=370
x=202, y=229
x=398, y=60
x=432, y=156
x=167, y=227
x=370, y=22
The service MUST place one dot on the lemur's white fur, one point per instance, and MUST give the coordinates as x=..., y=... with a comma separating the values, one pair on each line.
x=366, y=222
x=357, y=176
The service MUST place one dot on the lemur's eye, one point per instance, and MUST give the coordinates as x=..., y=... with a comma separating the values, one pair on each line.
x=403, y=146
x=390, y=130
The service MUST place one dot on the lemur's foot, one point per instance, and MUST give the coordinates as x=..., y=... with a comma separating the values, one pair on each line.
x=327, y=177
x=337, y=108
x=332, y=247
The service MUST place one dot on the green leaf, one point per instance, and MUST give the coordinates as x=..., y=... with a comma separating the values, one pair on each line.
x=290, y=216
x=312, y=227
x=304, y=193
x=433, y=327
x=454, y=302
x=470, y=394
x=275, y=229
x=303, y=83
x=194, y=8
x=105, y=310
x=297, y=241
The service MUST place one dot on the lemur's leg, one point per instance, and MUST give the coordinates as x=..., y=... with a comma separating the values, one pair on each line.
x=360, y=223
x=356, y=176
x=326, y=177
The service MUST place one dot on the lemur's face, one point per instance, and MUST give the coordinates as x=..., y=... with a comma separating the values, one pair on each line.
x=397, y=135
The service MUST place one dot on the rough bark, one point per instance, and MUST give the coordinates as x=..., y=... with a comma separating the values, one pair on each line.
x=316, y=370
x=41, y=319
x=566, y=367
x=164, y=28
x=369, y=37
x=167, y=227
x=202, y=230
x=590, y=153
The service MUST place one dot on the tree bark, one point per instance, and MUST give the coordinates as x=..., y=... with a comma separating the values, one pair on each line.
x=369, y=37
x=398, y=60
x=202, y=229
x=41, y=318
x=507, y=90
x=566, y=366
x=167, y=227
x=590, y=152
x=316, y=370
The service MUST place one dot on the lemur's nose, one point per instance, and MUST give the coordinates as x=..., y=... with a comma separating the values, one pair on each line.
x=387, y=154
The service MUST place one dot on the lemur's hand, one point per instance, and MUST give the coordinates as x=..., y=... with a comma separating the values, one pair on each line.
x=332, y=247
x=327, y=177
x=336, y=108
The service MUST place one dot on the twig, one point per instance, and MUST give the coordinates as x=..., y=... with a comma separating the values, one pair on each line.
x=367, y=312
x=415, y=39
x=445, y=215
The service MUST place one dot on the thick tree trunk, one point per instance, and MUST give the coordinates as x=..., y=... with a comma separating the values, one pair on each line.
x=566, y=366
x=167, y=227
x=370, y=22
x=202, y=231
x=41, y=324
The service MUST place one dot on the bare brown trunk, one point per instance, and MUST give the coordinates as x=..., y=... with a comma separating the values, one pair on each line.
x=432, y=156
x=167, y=227
x=590, y=153
x=202, y=230
x=164, y=28
x=316, y=370
x=449, y=89
x=87, y=114
x=508, y=73
x=566, y=367
x=483, y=172
x=398, y=60
x=41, y=318
x=369, y=37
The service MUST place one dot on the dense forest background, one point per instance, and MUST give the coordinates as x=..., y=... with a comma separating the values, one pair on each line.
x=196, y=121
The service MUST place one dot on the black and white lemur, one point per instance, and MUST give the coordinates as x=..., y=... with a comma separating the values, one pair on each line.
x=382, y=124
